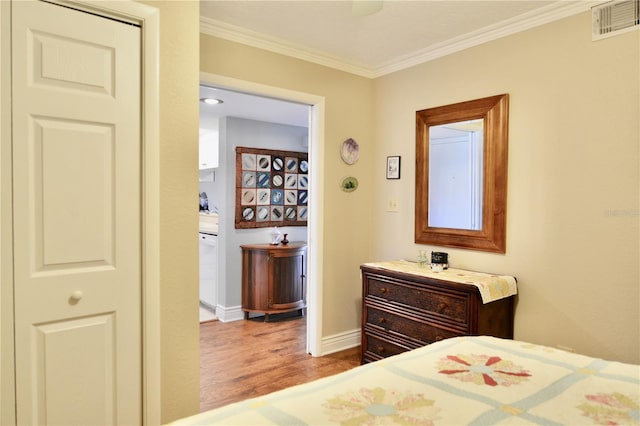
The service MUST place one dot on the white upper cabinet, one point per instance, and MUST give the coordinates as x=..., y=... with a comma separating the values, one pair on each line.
x=208, y=154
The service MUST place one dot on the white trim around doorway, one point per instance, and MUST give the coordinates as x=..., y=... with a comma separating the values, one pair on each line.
x=316, y=160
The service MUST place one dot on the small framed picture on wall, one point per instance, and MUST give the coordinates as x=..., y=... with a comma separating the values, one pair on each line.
x=393, y=167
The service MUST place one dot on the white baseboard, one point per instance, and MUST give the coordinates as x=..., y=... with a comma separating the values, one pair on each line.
x=234, y=313
x=341, y=341
x=208, y=306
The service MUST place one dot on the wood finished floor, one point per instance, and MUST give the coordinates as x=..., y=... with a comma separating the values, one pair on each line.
x=246, y=359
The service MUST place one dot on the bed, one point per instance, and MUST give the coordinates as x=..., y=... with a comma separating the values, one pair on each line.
x=463, y=380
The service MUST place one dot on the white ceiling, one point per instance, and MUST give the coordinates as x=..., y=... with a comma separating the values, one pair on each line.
x=401, y=34
x=250, y=107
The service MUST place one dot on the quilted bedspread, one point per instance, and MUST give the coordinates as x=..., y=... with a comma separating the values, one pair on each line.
x=463, y=380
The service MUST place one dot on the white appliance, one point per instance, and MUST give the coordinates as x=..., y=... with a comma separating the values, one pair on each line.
x=208, y=272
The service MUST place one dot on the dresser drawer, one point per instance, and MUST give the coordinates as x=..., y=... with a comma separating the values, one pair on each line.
x=446, y=305
x=412, y=328
x=382, y=348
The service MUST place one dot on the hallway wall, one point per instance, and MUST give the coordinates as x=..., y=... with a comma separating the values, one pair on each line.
x=238, y=132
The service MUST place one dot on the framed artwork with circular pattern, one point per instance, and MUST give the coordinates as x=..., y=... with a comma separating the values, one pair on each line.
x=272, y=188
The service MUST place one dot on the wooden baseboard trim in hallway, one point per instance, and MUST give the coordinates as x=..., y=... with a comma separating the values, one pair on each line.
x=250, y=358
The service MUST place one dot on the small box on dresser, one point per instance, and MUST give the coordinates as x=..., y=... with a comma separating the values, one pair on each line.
x=405, y=310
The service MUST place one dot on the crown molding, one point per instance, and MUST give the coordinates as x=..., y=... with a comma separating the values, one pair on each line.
x=542, y=16
x=545, y=15
x=226, y=31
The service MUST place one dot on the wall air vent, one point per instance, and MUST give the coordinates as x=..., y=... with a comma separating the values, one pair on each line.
x=615, y=17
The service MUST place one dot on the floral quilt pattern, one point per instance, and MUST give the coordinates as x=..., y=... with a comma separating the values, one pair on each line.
x=482, y=370
x=378, y=406
x=612, y=409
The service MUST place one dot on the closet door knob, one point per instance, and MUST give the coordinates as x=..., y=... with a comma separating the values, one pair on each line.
x=75, y=297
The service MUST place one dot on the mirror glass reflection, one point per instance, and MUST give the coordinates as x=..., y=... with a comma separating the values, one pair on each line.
x=455, y=175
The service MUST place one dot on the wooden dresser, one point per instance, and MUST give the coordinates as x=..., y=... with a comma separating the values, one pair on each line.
x=403, y=311
x=273, y=278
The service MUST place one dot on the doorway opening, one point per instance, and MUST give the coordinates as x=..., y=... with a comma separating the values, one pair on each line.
x=296, y=110
x=231, y=120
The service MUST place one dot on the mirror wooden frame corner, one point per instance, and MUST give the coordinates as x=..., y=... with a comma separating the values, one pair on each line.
x=494, y=111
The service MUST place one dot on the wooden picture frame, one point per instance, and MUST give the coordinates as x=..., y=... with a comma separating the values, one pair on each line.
x=272, y=188
x=492, y=236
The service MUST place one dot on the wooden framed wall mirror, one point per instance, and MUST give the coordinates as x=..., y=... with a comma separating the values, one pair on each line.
x=461, y=174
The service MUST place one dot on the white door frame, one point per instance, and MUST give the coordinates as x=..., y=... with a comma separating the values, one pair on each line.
x=7, y=364
x=148, y=19
x=316, y=164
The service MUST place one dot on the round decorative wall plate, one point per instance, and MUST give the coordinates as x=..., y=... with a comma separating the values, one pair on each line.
x=349, y=184
x=350, y=151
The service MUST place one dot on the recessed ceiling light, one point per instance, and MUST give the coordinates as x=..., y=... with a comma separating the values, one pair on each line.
x=211, y=101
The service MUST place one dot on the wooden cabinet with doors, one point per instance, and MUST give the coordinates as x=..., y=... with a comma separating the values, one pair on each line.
x=273, y=278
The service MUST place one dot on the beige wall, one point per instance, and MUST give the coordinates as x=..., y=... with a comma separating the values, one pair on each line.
x=347, y=216
x=573, y=221
x=573, y=197
x=178, y=92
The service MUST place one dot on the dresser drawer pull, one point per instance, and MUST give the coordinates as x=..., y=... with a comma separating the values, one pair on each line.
x=438, y=338
x=441, y=307
x=382, y=321
x=384, y=290
x=380, y=349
